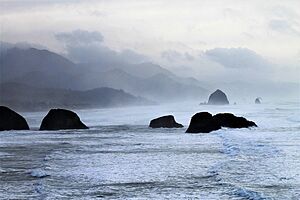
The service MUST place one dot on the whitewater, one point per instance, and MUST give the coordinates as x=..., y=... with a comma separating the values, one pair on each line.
x=119, y=157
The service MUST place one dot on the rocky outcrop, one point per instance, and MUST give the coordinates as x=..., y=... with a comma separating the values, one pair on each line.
x=257, y=100
x=231, y=121
x=218, y=98
x=10, y=120
x=204, y=122
x=58, y=119
x=165, y=122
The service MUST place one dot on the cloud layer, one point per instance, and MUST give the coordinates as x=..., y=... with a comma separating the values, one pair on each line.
x=237, y=58
x=87, y=46
x=80, y=37
x=205, y=39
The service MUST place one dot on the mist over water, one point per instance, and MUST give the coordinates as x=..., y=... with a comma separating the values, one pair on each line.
x=119, y=157
x=120, y=65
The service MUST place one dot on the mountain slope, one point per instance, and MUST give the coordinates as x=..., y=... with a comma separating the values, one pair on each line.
x=141, y=70
x=159, y=87
x=28, y=98
x=45, y=69
x=36, y=67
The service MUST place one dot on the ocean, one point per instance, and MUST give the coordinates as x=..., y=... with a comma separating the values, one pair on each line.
x=119, y=157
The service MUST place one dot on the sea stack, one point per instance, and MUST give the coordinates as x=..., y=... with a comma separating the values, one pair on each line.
x=58, y=119
x=229, y=120
x=204, y=122
x=10, y=120
x=167, y=121
x=257, y=100
x=218, y=98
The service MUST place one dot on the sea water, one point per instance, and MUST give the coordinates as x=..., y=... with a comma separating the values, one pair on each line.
x=119, y=157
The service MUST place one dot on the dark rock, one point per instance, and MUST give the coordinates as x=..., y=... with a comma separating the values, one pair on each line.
x=257, y=100
x=202, y=123
x=165, y=122
x=231, y=121
x=10, y=120
x=57, y=119
x=218, y=98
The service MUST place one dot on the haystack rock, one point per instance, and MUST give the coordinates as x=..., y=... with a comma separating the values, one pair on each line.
x=218, y=98
x=58, y=119
x=165, y=122
x=257, y=100
x=10, y=120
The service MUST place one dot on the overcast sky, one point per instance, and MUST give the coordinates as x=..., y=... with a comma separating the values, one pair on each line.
x=174, y=33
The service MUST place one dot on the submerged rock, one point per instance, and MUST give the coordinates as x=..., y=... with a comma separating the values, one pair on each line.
x=204, y=122
x=10, y=120
x=218, y=98
x=165, y=122
x=257, y=100
x=231, y=121
x=58, y=119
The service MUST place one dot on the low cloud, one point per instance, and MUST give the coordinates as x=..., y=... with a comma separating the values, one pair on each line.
x=87, y=47
x=173, y=56
x=220, y=65
x=282, y=26
x=237, y=58
x=79, y=37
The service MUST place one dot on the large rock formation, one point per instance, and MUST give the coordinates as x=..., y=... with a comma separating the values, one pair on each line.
x=165, y=122
x=231, y=121
x=204, y=122
x=218, y=98
x=57, y=119
x=10, y=120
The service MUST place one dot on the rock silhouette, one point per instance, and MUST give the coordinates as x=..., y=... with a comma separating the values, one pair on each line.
x=231, y=121
x=58, y=119
x=165, y=122
x=204, y=122
x=257, y=100
x=218, y=98
x=10, y=120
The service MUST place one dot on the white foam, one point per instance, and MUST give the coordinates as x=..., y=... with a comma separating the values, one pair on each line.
x=248, y=194
x=39, y=173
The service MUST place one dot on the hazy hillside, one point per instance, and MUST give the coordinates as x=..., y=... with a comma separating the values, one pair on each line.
x=40, y=68
x=28, y=98
x=141, y=70
x=159, y=87
x=45, y=69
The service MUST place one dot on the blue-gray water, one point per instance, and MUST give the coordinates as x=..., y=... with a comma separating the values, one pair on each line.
x=121, y=158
